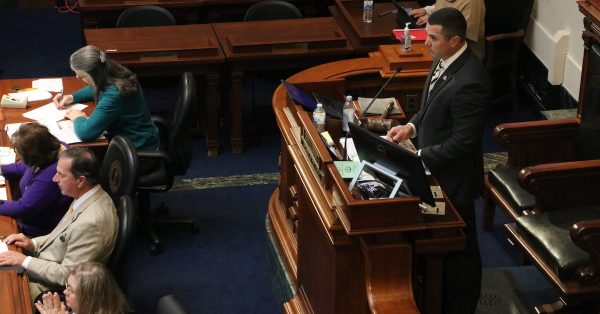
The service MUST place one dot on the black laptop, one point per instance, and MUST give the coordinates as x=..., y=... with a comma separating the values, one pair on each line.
x=308, y=101
x=402, y=17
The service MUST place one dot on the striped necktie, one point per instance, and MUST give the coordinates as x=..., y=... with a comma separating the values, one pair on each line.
x=436, y=75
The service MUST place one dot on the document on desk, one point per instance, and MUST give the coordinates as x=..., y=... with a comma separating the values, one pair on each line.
x=7, y=156
x=49, y=112
x=51, y=84
x=32, y=94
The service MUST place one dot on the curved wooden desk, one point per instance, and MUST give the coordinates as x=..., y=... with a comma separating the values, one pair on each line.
x=346, y=255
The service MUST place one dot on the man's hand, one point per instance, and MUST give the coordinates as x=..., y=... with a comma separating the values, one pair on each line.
x=11, y=258
x=51, y=304
x=20, y=240
x=417, y=13
x=399, y=133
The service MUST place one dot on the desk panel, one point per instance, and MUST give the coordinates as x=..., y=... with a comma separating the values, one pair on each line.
x=15, y=298
x=104, y=13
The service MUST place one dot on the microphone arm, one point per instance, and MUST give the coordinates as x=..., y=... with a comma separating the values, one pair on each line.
x=398, y=69
x=379, y=92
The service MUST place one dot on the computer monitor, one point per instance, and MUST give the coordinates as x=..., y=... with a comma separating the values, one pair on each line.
x=394, y=159
x=402, y=17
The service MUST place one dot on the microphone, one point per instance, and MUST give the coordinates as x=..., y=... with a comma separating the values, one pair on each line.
x=398, y=69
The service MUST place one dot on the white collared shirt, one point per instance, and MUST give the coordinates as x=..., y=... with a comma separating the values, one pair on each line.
x=446, y=63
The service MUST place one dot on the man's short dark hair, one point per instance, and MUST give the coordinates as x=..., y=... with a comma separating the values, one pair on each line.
x=452, y=21
x=83, y=163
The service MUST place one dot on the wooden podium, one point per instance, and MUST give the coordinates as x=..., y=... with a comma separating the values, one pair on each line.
x=347, y=255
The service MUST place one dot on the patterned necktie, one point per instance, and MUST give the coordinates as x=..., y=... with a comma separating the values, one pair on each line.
x=436, y=75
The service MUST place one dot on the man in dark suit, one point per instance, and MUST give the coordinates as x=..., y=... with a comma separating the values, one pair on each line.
x=449, y=129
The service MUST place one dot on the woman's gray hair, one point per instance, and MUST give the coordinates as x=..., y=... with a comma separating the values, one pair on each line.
x=103, y=71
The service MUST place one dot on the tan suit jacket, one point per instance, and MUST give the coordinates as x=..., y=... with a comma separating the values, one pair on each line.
x=87, y=234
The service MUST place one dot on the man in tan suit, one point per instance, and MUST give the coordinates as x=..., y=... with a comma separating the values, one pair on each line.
x=87, y=232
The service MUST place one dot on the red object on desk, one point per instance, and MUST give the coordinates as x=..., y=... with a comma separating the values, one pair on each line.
x=415, y=34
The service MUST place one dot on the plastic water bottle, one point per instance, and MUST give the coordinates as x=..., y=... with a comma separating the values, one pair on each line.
x=368, y=11
x=319, y=118
x=348, y=116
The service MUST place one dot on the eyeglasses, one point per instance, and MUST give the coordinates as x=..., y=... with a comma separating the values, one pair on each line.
x=68, y=288
x=79, y=77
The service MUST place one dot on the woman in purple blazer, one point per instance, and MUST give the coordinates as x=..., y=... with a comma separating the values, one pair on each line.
x=41, y=205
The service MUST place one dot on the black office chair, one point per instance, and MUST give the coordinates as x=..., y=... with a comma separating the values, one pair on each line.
x=118, y=176
x=272, y=10
x=170, y=305
x=119, y=168
x=172, y=159
x=145, y=15
x=504, y=33
x=127, y=230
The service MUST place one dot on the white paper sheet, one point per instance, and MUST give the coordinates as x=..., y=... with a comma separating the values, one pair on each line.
x=49, y=112
x=51, y=84
x=3, y=247
x=33, y=94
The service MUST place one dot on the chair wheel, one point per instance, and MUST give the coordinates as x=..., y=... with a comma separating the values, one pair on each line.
x=155, y=249
x=195, y=228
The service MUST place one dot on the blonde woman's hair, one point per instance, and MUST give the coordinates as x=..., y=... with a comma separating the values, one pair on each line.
x=97, y=291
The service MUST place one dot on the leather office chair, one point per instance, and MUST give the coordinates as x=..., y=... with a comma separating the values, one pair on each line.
x=504, y=33
x=118, y=171
x=118, y=176
x=170, y=305
x=172, y=159
x=561, y=150
x=564, y=241
x=272, y=10
x=127, y=230
x=145, y=15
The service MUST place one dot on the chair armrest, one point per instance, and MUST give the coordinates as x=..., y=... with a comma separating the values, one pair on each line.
x=535, y=142
x=159, y=157
x=163, y=127
x=496, y=37
x=563, y=185
x=586, y=235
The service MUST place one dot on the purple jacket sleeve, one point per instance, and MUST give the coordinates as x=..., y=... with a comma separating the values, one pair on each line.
x=14, y=170
x=35, y=198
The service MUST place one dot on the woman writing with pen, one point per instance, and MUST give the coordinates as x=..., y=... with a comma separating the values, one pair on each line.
x=120, y=105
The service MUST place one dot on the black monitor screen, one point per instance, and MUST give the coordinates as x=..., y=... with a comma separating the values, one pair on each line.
x=401, y=162
x=306, y=100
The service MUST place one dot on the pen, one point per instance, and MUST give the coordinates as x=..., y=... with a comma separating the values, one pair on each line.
x=386, y=12
x=61, y=93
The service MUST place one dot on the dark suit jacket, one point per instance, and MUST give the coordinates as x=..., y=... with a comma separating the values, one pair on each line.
x=450, y=126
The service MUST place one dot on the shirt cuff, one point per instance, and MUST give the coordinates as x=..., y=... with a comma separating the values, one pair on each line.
x=26, y=262
x=414, y=128
x=429, y=9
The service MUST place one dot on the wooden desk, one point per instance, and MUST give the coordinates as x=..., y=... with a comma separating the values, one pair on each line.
x=346, y=255
x=170, y=50
x=11, y=115
x=367, y=37
x=104, y=13
x=15, y=298
x=280, y=44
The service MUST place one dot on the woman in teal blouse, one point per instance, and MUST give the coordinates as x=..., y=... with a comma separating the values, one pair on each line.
x=120, y=105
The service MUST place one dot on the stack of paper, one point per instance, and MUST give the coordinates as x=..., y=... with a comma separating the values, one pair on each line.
x=51, y=85
x=32, y=94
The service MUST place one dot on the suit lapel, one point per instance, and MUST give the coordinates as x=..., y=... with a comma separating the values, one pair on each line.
x=67, y=221
x=444, y=79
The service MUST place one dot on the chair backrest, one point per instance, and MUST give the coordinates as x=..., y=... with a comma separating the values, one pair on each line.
x=179, y=144
x=118, y=258
x=272, y=10
x=501, y=17
x=118, y=172
x=145, y=15
x=170, y=305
